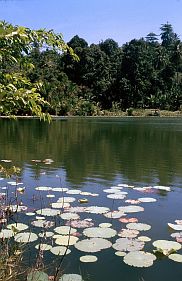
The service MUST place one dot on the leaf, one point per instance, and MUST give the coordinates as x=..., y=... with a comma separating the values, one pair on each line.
x=37, y=276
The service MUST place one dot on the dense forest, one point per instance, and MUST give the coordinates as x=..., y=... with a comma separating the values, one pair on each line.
x=42, y=74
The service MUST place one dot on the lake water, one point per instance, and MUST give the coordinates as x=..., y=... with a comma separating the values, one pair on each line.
x=94, y=154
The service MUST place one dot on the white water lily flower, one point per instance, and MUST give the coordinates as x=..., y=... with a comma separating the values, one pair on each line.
x=131, y=209
x=26, y=237
x=125, y=244
x=99, y=232
x=71, y=277
x=60, y=250
x=175, y=257
x=139, y=259
x=48, y=212
x=17, y=227
x=93, y=245
x=88, y=258
x=138, y=226
x=166, y=246
x=65, y=230
x=97, y=210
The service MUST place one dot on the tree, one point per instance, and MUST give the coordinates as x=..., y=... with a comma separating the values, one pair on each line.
x=17, y=94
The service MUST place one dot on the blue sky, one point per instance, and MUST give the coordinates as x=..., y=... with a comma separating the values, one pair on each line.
x=95, y=20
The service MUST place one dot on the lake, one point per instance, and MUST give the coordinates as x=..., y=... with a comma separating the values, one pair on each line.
x=100, y=156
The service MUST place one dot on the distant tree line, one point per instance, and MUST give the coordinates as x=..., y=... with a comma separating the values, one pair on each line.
x=143, y=73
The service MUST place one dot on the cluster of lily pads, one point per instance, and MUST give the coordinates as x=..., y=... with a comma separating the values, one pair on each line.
x=69, y=223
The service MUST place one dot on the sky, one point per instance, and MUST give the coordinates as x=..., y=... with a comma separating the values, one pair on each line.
x=95, y=20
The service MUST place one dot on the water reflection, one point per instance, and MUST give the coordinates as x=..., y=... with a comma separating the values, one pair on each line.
x=139, y=150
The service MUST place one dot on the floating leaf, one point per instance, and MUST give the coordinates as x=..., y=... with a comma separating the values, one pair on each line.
x=26, y=237
x=166, y=247
x=139, y=259
x=96, y=210
x=93, y=245
x=65, y=240
x=144, y=238
x=88, y=258
x=43, y=188
x=105, y=225
x=17, y=226
x=48, y=212
x=73, y=191
x=65, y=230
x=125, y=244
x=50, y=195
x=178, y=222
x=69, y=216
x=80, y=223
x=30, y=214
x=177, y=227
x=114, y=214
x=46, y=234
x=71, y=277
x=147, y=200
x=138, y=226
x=127, y=220
x=132, y=201
x=175, y=257
x=131, y=209
x=60, y=250
x=60, y=189
x=60, y=205
x=43, y=223
x=160, y=187
x=6, y=233
x=37, y=276
x=43, y=247
x=129, y=233
x=75, y=209
x=99, y=232
x=116, y=196
x=111, y=190
x=120, y=254
x=66, y=200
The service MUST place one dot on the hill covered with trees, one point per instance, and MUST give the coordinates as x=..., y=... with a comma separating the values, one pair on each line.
x=40, y=73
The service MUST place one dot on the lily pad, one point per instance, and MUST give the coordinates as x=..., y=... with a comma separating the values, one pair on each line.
x=105, y=225
x=131, y=209
x=60, y=250
x=129, y=233
x=147, y=199
x=66, y=200
x=93, y=245
x=88, y=258
x=26, y=237
x=69, y=216
x=97, y=210
x=177, y=227
x=71, y=277
x=60, y=189
x=6, y=233
x=125, y=244
x=43, y=247
x=175, y=257
x=144, y=238
x=17, y=226
x=160, y=187
x=65, y=230
x=43, y=188
x=80, y=223
x=120, y=253
x=139, y=259
x=114, y=214
x=138, y=226
x=116, y=196
x=37, y=276
x=99, y=232
x=48, y=212
x=66, y=240
x=166, y=247
x=73, y=191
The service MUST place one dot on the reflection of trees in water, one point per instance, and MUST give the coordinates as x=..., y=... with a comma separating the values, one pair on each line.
x=135, y=149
